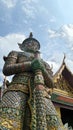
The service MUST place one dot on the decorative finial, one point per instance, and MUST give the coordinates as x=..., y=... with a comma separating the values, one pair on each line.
x=64, y=58
x=31, y=35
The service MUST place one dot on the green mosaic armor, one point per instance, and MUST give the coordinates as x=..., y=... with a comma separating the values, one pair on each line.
x=44, y=115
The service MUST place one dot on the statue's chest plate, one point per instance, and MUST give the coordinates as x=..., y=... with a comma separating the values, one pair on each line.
x=23, y=58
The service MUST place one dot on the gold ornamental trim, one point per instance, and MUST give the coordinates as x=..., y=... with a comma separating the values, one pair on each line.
x=10, y=124
x=62, y=92
x=17, y=87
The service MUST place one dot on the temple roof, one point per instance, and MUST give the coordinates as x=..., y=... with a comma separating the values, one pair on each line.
x=63, y=87
x=65, y=72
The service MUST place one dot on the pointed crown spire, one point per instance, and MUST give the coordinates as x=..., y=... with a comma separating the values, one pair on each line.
x=31, y=35
x=30, y=44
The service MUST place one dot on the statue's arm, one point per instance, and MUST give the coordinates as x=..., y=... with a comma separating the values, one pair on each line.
x=48, y=75
x=39, y=64
x=11, y=65
x=48, y=79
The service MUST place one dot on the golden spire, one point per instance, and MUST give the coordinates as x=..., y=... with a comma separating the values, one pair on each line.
x=64, y=58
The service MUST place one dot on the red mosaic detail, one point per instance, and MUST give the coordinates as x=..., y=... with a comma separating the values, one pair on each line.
x=39, y=87
x=65, y=99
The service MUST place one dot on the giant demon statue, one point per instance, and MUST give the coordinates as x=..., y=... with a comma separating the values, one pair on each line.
x=26, y=103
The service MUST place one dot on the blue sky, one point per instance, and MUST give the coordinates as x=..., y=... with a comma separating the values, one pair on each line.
x=51, y=22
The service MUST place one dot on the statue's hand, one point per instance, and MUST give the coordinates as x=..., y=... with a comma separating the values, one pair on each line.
x=37, y=65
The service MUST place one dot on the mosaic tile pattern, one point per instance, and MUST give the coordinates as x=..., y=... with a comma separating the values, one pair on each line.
x=13, y=110
x=23, y=107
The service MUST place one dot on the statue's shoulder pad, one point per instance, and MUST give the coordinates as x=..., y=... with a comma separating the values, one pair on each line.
x=11, y=54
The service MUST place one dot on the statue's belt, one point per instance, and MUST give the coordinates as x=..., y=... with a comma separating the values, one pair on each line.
x=23, y=88
x=17, y=87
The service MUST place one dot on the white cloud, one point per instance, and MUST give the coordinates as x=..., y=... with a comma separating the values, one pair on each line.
x=33, y=9
x=69, y=63
x=30, y=1
x=7, y=44
x=68, y=31
x=65, y=32
x=29, y=11
x=57, y=33
x=10, y=41
x=28, y=7
x=62, y=42
x=9, y=3
x=55, y=66
x=53, y=33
